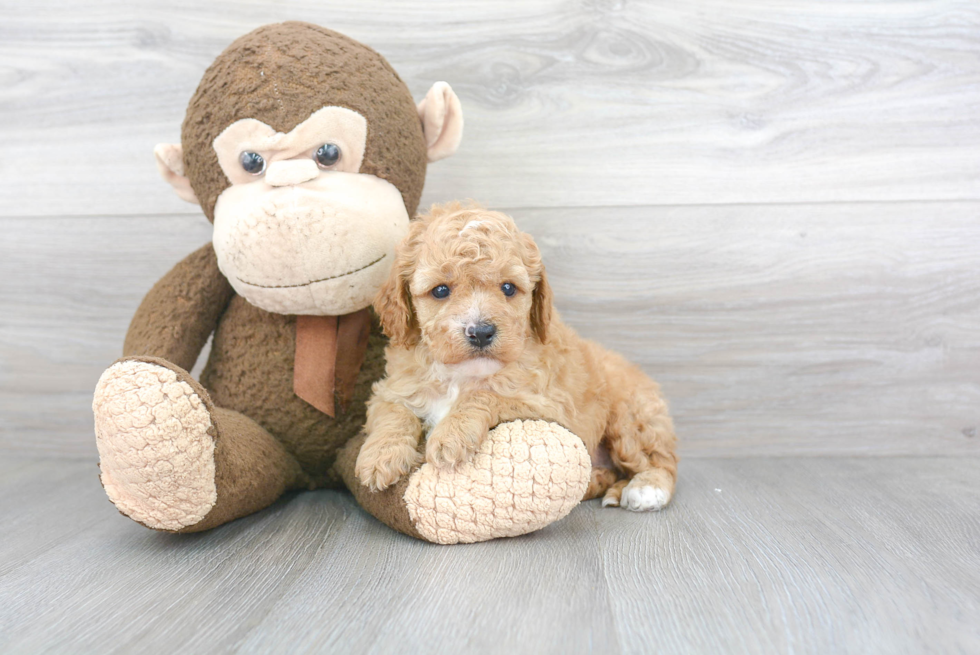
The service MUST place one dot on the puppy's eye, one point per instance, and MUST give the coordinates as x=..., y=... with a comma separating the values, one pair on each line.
x=441, y=291
x=327, y=155
x=252, y=163
x=508, y=289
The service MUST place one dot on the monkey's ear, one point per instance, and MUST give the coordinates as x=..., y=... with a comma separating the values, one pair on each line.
x=442, y=121
x=170, y=162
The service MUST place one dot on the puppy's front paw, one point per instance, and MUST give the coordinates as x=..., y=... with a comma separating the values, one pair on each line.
x=446, y=449
x=380, y=465
x=445, y=453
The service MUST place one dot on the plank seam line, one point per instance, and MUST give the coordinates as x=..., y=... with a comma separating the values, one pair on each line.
x=521, y=208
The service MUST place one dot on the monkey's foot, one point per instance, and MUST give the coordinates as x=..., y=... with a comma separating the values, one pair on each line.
x=156, y=444
x=526, y=475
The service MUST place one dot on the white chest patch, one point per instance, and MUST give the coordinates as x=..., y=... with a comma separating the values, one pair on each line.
x=438, y=408
x=433, y=408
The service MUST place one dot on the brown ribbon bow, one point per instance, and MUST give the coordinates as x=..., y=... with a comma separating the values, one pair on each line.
x=329, y=354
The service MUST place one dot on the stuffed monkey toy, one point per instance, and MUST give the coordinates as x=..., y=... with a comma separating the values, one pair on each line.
x=308, y=154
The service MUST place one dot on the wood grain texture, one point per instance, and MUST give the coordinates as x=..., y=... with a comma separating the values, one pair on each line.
x=582, y=103
x=818, y=555
x=773, y=329
x=796, y=555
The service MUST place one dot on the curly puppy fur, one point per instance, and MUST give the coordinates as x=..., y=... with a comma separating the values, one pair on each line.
x=486, y=353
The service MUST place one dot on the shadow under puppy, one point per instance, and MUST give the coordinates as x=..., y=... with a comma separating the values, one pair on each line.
x=475, y=341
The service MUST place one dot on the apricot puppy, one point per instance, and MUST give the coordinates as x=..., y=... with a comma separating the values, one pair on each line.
x=475, y=342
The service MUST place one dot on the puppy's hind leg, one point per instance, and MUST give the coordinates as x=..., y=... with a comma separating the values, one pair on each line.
x=649, y=490
x=614, y=493
x=602, y=479
x=643, y=445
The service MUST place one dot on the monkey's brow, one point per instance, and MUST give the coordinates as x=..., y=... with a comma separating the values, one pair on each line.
x=324, y=279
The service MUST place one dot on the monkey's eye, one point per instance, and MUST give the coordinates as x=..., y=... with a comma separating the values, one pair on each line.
x=441, y=291
x=508, y=289
x=252, y=162
x=327, y=155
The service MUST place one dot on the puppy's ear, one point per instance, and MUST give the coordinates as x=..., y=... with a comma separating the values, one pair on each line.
x=541, y=300
x=394, y=300
x=394, y=306
x=541, y=308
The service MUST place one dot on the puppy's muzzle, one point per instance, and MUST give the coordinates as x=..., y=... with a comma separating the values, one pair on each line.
x=480, y=335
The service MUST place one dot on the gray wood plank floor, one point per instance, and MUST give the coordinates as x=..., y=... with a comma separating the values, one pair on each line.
x=756, y=555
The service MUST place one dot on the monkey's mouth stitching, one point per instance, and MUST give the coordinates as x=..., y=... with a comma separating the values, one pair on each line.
x=306, y=284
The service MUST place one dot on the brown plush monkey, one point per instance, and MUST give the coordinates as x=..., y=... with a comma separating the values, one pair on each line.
x=307, y=152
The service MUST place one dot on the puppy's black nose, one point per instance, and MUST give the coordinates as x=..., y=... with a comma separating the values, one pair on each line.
x=481, y=335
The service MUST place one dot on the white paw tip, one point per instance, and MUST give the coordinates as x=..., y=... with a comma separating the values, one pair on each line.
x=610, y=501
x=644, y=499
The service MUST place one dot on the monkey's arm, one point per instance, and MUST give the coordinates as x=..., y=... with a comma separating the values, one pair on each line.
x=181, y=310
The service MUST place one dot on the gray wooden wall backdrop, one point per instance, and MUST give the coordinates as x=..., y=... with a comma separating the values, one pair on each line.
x=772, y=206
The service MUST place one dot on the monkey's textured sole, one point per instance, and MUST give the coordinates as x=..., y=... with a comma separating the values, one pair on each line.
x=526, y=475
x=156, y=445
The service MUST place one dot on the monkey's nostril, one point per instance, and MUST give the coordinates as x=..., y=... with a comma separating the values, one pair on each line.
x=481, y=335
